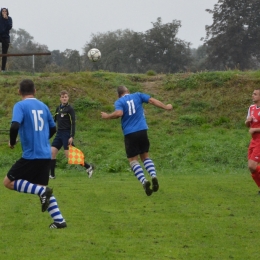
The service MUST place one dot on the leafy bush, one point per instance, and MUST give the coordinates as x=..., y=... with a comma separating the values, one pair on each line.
x=81, y=104
x=151, y=73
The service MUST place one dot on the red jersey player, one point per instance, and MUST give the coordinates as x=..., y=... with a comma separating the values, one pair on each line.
x=253, y=122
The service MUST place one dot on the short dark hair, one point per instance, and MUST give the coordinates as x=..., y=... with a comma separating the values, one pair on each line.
x=64, y=92
x=27, y=87
x=121, y=90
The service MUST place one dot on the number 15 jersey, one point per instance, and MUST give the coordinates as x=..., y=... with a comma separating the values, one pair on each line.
x=133, y=118
x=35, y=122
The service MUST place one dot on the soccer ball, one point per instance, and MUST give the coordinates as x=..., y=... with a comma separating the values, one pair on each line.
x=94, y=55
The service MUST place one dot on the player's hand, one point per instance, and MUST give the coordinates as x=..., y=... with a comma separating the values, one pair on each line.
x=104, y=115
x=249, y=119
x=70, y=141
x=169, y=107
x=5, y=16
x=253, y=130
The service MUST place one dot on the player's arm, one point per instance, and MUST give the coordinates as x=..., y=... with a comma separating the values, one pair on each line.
x=56, y=114
x=254, y=130
x=53, y=130
x=13, y=133
x=73, y=122
x=248, y=121
x=159, y=104
x=114, y=115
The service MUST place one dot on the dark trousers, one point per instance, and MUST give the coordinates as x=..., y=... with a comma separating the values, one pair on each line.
x=5, y=46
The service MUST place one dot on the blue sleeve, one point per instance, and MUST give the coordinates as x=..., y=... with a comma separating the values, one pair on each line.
x=17, y=113
x=118, y=105
x=145, y=97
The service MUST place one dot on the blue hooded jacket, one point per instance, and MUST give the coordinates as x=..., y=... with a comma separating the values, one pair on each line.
x=5, y=25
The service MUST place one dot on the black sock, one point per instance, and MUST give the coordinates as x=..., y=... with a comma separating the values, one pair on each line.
x=86, y=165
x=53, y=164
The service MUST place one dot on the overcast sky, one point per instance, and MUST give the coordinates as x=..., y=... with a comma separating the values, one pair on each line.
x=67, y=24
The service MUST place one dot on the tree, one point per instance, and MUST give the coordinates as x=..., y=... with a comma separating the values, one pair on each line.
x=199, y=58
x=113, y=50
x=165, y=52
x=72, y=61
x=131, y=52
x=233, y=39
x=22, y=42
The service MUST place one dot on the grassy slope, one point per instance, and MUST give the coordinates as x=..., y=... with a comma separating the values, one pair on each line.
x=206, y=207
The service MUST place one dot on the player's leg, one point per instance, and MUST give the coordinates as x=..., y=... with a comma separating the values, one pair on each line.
x=89, y=169
x=22, y=178
x=149, y=166
x=88, y=166
x=253, y=163
x=148, y=162
x=132, y=151
x=54, y=152
x=55, y=147
x=66, y=153
x=254, y=168
x=54, y=211
x=5, y=46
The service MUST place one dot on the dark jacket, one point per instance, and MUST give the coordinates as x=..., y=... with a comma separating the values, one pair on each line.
x=5, y=26
x=65, y=119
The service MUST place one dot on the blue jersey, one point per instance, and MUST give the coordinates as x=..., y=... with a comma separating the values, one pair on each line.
x=35, y=122
x=133, y=118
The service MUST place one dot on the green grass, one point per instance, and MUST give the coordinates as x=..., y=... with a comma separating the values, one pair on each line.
x=207, y=206
x=192, y=216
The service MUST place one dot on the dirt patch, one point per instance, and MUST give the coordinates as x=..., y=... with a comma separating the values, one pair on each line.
x=152, y=87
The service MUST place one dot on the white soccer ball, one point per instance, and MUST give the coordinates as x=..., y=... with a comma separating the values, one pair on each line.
x=94, y=54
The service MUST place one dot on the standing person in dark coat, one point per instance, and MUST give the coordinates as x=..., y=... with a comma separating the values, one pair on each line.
x=6, y=25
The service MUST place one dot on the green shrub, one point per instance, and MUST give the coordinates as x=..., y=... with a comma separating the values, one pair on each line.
x=81, y=104
x=151, y=73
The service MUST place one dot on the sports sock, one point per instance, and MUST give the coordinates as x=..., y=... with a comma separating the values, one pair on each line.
x=86, y=165
x=138, y=171
x=54, y=211
x=53, y=165
x=27, y=187
x=149, y=166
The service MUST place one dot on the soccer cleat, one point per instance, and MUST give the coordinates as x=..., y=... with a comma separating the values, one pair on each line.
x=90, y=170
x=58, y=225
x=45, y=198
x=147, y=188
x=155, y=183
x=52, y=177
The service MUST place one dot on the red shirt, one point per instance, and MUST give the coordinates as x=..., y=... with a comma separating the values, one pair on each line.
x=254, y=112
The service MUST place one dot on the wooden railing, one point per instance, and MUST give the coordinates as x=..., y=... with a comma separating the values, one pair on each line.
x=26, y=54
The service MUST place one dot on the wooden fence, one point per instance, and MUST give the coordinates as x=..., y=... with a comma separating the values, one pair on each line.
x=26, y=54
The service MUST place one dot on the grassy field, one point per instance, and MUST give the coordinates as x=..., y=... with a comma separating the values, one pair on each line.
x=207, y=206
x=192, y=216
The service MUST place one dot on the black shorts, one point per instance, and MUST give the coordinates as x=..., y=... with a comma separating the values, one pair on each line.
x=136, y=143
x=35, y=171
x=61, y=139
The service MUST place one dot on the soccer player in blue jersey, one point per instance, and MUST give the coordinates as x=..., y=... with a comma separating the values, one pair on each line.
x=130, y=108
x=30, y=174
